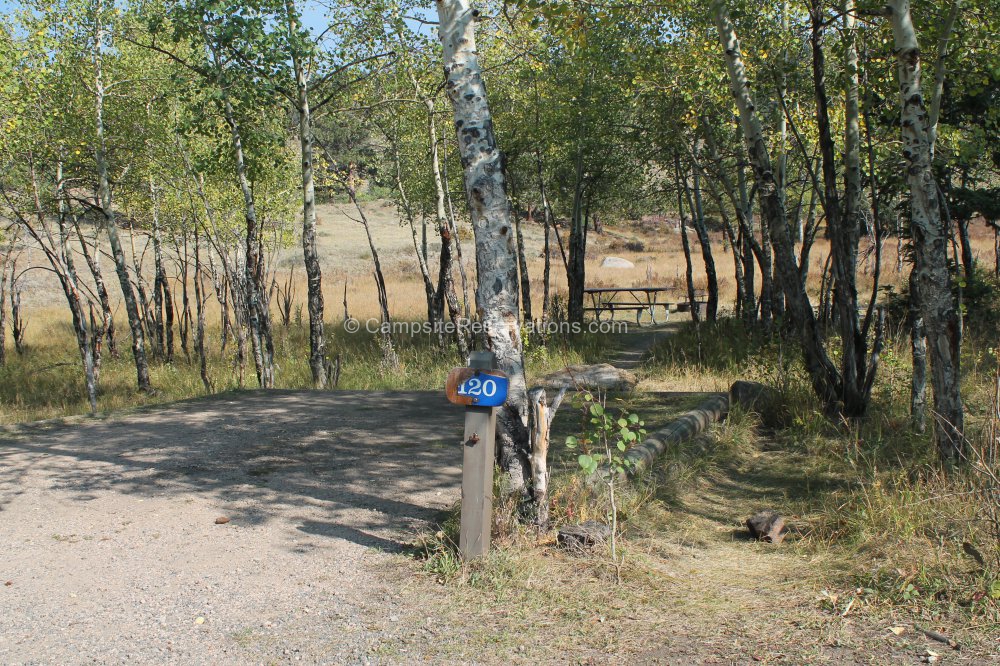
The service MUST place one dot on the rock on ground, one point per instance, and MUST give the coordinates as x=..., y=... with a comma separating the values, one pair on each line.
x=616, y=262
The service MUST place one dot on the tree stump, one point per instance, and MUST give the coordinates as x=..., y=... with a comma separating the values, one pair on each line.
x=767, y=526
x=583, y=536
x=760, y=399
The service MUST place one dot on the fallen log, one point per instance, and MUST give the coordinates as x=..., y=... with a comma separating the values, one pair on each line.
x=600, y=376
x=694, y=422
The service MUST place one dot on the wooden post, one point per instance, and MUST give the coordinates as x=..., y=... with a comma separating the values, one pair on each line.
x=477, y=471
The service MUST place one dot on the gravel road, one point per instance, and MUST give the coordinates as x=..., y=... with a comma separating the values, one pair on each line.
x=110, y=551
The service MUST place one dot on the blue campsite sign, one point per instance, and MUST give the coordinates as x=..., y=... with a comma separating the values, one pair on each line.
x=485, y=389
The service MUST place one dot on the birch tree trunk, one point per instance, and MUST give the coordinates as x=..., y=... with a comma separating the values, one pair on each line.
x=110, y=225
x=3, y=293
x=430, y=290
x=843, y=215
x=547, y=221
x=576, y=269
x=389, y=356
x=522, y=259
x=256, y=305
x=496, y=256
x=92, y=260
x=164, y=302
x=705, y=241
x=688, y=268
x=822, y=372
x=60, y=258
x=933, y=279
x=734, y=243
x=445, y=294
x=199, y=331
x=453, y=225
x=314, y=273
x=918, y=351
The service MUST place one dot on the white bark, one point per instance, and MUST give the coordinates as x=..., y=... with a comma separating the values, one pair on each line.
x=110, y=224
x=933, y=279
x=314, y=274
x=821, y=369
x=496, y=257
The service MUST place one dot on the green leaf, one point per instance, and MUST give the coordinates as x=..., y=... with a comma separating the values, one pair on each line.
x=596, y=409
x=585, y=461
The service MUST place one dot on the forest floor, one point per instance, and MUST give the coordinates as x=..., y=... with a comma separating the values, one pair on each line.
x=111, y=551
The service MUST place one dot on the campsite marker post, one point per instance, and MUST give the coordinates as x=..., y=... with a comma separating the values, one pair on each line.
x=481, y=389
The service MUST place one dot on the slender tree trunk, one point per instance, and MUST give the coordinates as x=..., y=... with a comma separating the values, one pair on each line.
x=522, y=259
x=111, y=226
x=821, y=370
x=388, y=349
x=940, y=72
x=164, y=302
x=186, y=319
x=547, y=221
x=314, y=274
x=430, y=291
x=446, y=283
x=968, y=262
x=4, y=263
x=735, y=242
x=108, y=325
x=576, y=273
x=705, y=241
x=453, y=225
x=843, y=215
x=496, y=257
x=258, y=316
x=918, y=350
x=759, y=250
x=688, y=268
x=933, y=279
x=61, y=260
x=199, y=331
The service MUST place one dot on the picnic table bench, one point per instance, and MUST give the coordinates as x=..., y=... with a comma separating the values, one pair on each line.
x=634, y=299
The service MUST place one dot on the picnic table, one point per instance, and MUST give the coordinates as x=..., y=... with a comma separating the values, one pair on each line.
x=634, y=299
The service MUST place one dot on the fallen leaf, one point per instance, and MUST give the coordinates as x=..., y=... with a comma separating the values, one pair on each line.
x=899, y=631
x=930, y=657
x=199, y=620
x=222, y=520
x=9, y=583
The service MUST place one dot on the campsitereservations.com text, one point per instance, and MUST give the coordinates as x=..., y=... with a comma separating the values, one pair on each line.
x=475, y=328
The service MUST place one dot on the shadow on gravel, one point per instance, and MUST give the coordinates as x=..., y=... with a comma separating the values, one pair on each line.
x=369, y=467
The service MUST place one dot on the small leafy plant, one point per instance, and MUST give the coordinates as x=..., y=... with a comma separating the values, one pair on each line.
x=603, y=444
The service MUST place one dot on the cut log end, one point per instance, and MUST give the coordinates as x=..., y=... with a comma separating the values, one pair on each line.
x=767, y=526
x=583, y=536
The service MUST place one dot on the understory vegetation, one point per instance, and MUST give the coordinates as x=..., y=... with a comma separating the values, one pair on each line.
x=866, y=498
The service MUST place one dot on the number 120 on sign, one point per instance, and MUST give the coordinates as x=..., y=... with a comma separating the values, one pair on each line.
x=485, y=390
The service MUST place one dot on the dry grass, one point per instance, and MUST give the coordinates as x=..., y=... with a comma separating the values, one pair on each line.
x=47, y=381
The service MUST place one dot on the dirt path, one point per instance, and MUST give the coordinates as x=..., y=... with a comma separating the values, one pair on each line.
x=110, y=551
x=635, y=345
